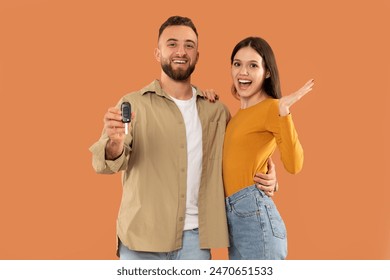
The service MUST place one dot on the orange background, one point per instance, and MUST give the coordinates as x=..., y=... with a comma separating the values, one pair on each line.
x=63, y=63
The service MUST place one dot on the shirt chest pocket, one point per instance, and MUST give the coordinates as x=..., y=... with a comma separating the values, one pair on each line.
x=216, y=134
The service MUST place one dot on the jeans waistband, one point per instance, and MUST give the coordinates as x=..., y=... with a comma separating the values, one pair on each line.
x=241, y=193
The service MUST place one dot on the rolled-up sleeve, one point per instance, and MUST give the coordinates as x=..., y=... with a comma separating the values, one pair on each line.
x=103, y=166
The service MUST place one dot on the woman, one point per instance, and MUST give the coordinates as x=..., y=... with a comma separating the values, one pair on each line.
x=263, y=123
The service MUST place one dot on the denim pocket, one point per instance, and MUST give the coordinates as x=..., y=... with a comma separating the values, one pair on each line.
x=245, y=206
x=276, y=221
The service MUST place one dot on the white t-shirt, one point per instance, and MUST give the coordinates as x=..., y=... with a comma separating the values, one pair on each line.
x=193, y=127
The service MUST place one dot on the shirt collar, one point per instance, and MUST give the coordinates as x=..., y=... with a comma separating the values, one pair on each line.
x=155, y=87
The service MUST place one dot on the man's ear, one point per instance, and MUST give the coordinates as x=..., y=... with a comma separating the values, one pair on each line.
x=197, y=57
x=267, y=74
x=157, y=54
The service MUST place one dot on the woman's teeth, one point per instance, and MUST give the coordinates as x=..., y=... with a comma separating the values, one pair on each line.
x=245, y=82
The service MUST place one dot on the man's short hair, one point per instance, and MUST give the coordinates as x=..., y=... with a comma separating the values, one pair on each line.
x=177, y=20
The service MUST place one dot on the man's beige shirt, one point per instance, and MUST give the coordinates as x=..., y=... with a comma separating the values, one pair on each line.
x=154, y=165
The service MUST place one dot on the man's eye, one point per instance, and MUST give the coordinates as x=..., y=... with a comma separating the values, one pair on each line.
x=236, y=64
x=254, y=65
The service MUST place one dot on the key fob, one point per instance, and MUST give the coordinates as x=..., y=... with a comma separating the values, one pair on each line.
x=126, y=112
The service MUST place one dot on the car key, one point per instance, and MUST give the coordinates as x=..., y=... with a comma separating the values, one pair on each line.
x=126, y=115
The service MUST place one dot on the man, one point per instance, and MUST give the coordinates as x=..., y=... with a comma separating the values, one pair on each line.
x=173, y=202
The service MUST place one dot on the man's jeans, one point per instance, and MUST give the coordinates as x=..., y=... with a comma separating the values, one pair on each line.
x=256, y=229
x=189, y=251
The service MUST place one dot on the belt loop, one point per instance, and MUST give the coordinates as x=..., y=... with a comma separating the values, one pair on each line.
x=228, y=207
x=260, y=191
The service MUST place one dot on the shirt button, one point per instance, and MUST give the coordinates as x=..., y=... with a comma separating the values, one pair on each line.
x=182, y=170
x=182, y=196
x=181, y=219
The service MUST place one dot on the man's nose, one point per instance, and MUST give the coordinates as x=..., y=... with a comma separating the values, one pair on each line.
x=180, y=50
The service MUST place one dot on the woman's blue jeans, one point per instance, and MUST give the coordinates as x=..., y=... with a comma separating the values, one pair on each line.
x=256, y=229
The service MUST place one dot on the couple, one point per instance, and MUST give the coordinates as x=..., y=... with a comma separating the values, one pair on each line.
x=173, y=203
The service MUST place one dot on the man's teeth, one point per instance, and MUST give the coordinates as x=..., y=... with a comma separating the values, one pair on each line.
x=180, y=61
x=244, y=81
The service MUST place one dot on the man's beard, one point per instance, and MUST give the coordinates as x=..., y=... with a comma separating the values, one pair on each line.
x=177, y=75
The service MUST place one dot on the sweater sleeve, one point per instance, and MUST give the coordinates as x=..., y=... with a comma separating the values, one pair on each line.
x=286, y=138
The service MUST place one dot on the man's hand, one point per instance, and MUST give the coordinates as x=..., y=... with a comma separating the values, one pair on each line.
x=115, y=130
x=267, y=182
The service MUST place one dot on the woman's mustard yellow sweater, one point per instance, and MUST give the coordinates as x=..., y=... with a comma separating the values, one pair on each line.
x=251, y=138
